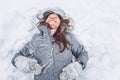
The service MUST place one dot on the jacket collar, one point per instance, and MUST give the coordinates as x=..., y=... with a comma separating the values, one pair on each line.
x=45, y=32
x=43, y=29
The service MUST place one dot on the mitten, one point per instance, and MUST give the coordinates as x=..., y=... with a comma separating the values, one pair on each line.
x=27, y=65
x=71, y=71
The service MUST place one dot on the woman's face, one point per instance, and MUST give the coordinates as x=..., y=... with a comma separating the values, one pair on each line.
x=53, y=20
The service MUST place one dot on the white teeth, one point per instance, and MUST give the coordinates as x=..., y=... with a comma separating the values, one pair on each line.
x=52, y=22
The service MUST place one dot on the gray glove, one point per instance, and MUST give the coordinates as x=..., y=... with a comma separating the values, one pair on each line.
x=71, y=71
x=27, y=65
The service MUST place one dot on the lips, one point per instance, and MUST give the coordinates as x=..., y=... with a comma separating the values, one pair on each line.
x=52, y=21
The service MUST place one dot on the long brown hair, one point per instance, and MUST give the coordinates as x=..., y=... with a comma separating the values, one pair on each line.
x=62, y=30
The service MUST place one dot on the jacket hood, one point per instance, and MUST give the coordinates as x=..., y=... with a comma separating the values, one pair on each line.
x=56, y=10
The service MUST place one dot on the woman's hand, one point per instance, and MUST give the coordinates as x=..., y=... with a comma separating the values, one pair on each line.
x=71, y=71
x=27, y=65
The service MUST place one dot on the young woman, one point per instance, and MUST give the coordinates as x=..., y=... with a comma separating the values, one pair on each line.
x=53, y=53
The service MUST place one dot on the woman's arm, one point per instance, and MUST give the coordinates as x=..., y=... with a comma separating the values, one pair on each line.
x=25, y=60
x=26, y=51
x=78, y=50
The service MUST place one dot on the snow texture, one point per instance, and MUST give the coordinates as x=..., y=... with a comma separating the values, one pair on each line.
x=97, y=26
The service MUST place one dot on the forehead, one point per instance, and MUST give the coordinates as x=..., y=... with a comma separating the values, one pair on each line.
x=53, y=15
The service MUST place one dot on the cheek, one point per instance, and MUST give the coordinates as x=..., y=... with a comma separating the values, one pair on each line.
x=47, y=20
x=58, y=22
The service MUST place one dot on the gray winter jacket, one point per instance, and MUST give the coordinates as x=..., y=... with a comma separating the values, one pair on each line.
x=43, y=48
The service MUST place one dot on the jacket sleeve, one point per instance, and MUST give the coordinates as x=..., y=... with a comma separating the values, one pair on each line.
x=79, y=52
x=26, y=51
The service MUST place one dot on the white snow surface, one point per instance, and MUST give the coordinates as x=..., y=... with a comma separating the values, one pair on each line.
x=97, y=26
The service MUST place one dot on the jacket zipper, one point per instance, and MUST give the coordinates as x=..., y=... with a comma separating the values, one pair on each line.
x=49, y=33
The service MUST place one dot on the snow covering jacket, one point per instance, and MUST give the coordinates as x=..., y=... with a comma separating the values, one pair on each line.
x=43, y=48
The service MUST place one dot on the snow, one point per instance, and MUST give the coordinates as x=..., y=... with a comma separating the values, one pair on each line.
x=97, y=25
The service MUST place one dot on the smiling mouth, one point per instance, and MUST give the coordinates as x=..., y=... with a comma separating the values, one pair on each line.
x=52, y=21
